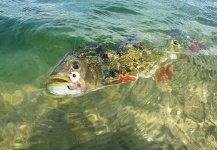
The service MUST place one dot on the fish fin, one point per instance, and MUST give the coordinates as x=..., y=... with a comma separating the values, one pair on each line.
x=197, y=46
x=124, y=79
x=164, y=73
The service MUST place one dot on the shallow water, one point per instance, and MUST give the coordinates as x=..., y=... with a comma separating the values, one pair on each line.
x=36, y=34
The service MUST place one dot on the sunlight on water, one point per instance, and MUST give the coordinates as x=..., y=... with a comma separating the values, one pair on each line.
x=35, y=35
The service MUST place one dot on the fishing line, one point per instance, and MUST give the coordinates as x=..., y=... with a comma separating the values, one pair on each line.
x=77, y=27
x=85, y=9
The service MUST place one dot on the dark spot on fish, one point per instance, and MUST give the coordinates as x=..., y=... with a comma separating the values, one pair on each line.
x=138, y=46
x=135, y=65
x=99, y=49
x=104, y=56
x=175, y=42
x=128, y=69
x=90, y=54
x=112, y=72
x=119, y=53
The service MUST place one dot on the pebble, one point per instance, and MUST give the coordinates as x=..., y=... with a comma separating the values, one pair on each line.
x=7, y=97
x=17, y=98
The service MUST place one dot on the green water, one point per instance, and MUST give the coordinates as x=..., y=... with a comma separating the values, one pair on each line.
x=35, y=35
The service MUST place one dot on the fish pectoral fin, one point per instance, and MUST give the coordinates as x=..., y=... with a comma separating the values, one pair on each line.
x=123, y=79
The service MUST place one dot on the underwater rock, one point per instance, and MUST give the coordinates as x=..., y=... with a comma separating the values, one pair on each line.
x=7, y=97
x=17, y=98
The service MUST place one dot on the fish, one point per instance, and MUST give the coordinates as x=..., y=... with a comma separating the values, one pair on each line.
x=90, y=68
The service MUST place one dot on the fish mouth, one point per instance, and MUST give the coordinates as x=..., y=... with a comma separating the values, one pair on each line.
x=60, y=84
x=57, y=80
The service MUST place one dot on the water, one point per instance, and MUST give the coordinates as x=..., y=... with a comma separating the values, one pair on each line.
x=36, y=34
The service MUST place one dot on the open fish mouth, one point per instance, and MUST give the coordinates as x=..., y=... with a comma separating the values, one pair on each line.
x=58, y=79
x=61, y=84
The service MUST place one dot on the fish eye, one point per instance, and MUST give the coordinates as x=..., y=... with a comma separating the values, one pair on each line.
x=175, y=42
x=74, y=75
x=75, y=66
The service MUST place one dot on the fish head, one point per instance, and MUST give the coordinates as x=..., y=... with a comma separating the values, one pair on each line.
x=68, y=77
x=177, y=45
x=186, y=46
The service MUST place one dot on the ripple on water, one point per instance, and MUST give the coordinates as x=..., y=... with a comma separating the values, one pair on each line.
x=36, y=34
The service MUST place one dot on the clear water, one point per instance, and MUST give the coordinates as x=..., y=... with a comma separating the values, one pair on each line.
x=36, y=34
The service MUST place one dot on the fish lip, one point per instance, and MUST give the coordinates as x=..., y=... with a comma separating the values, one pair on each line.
x=59, y=84
x=58, y=79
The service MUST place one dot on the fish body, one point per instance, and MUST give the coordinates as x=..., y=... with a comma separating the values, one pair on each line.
x=99, y=67
x=90, y=68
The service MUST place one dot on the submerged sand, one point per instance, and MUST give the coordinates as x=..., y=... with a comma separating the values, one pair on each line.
x=178, y=114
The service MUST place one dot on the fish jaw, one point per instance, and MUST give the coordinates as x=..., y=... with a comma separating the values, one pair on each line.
x=64, y=90
x=61, y=85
